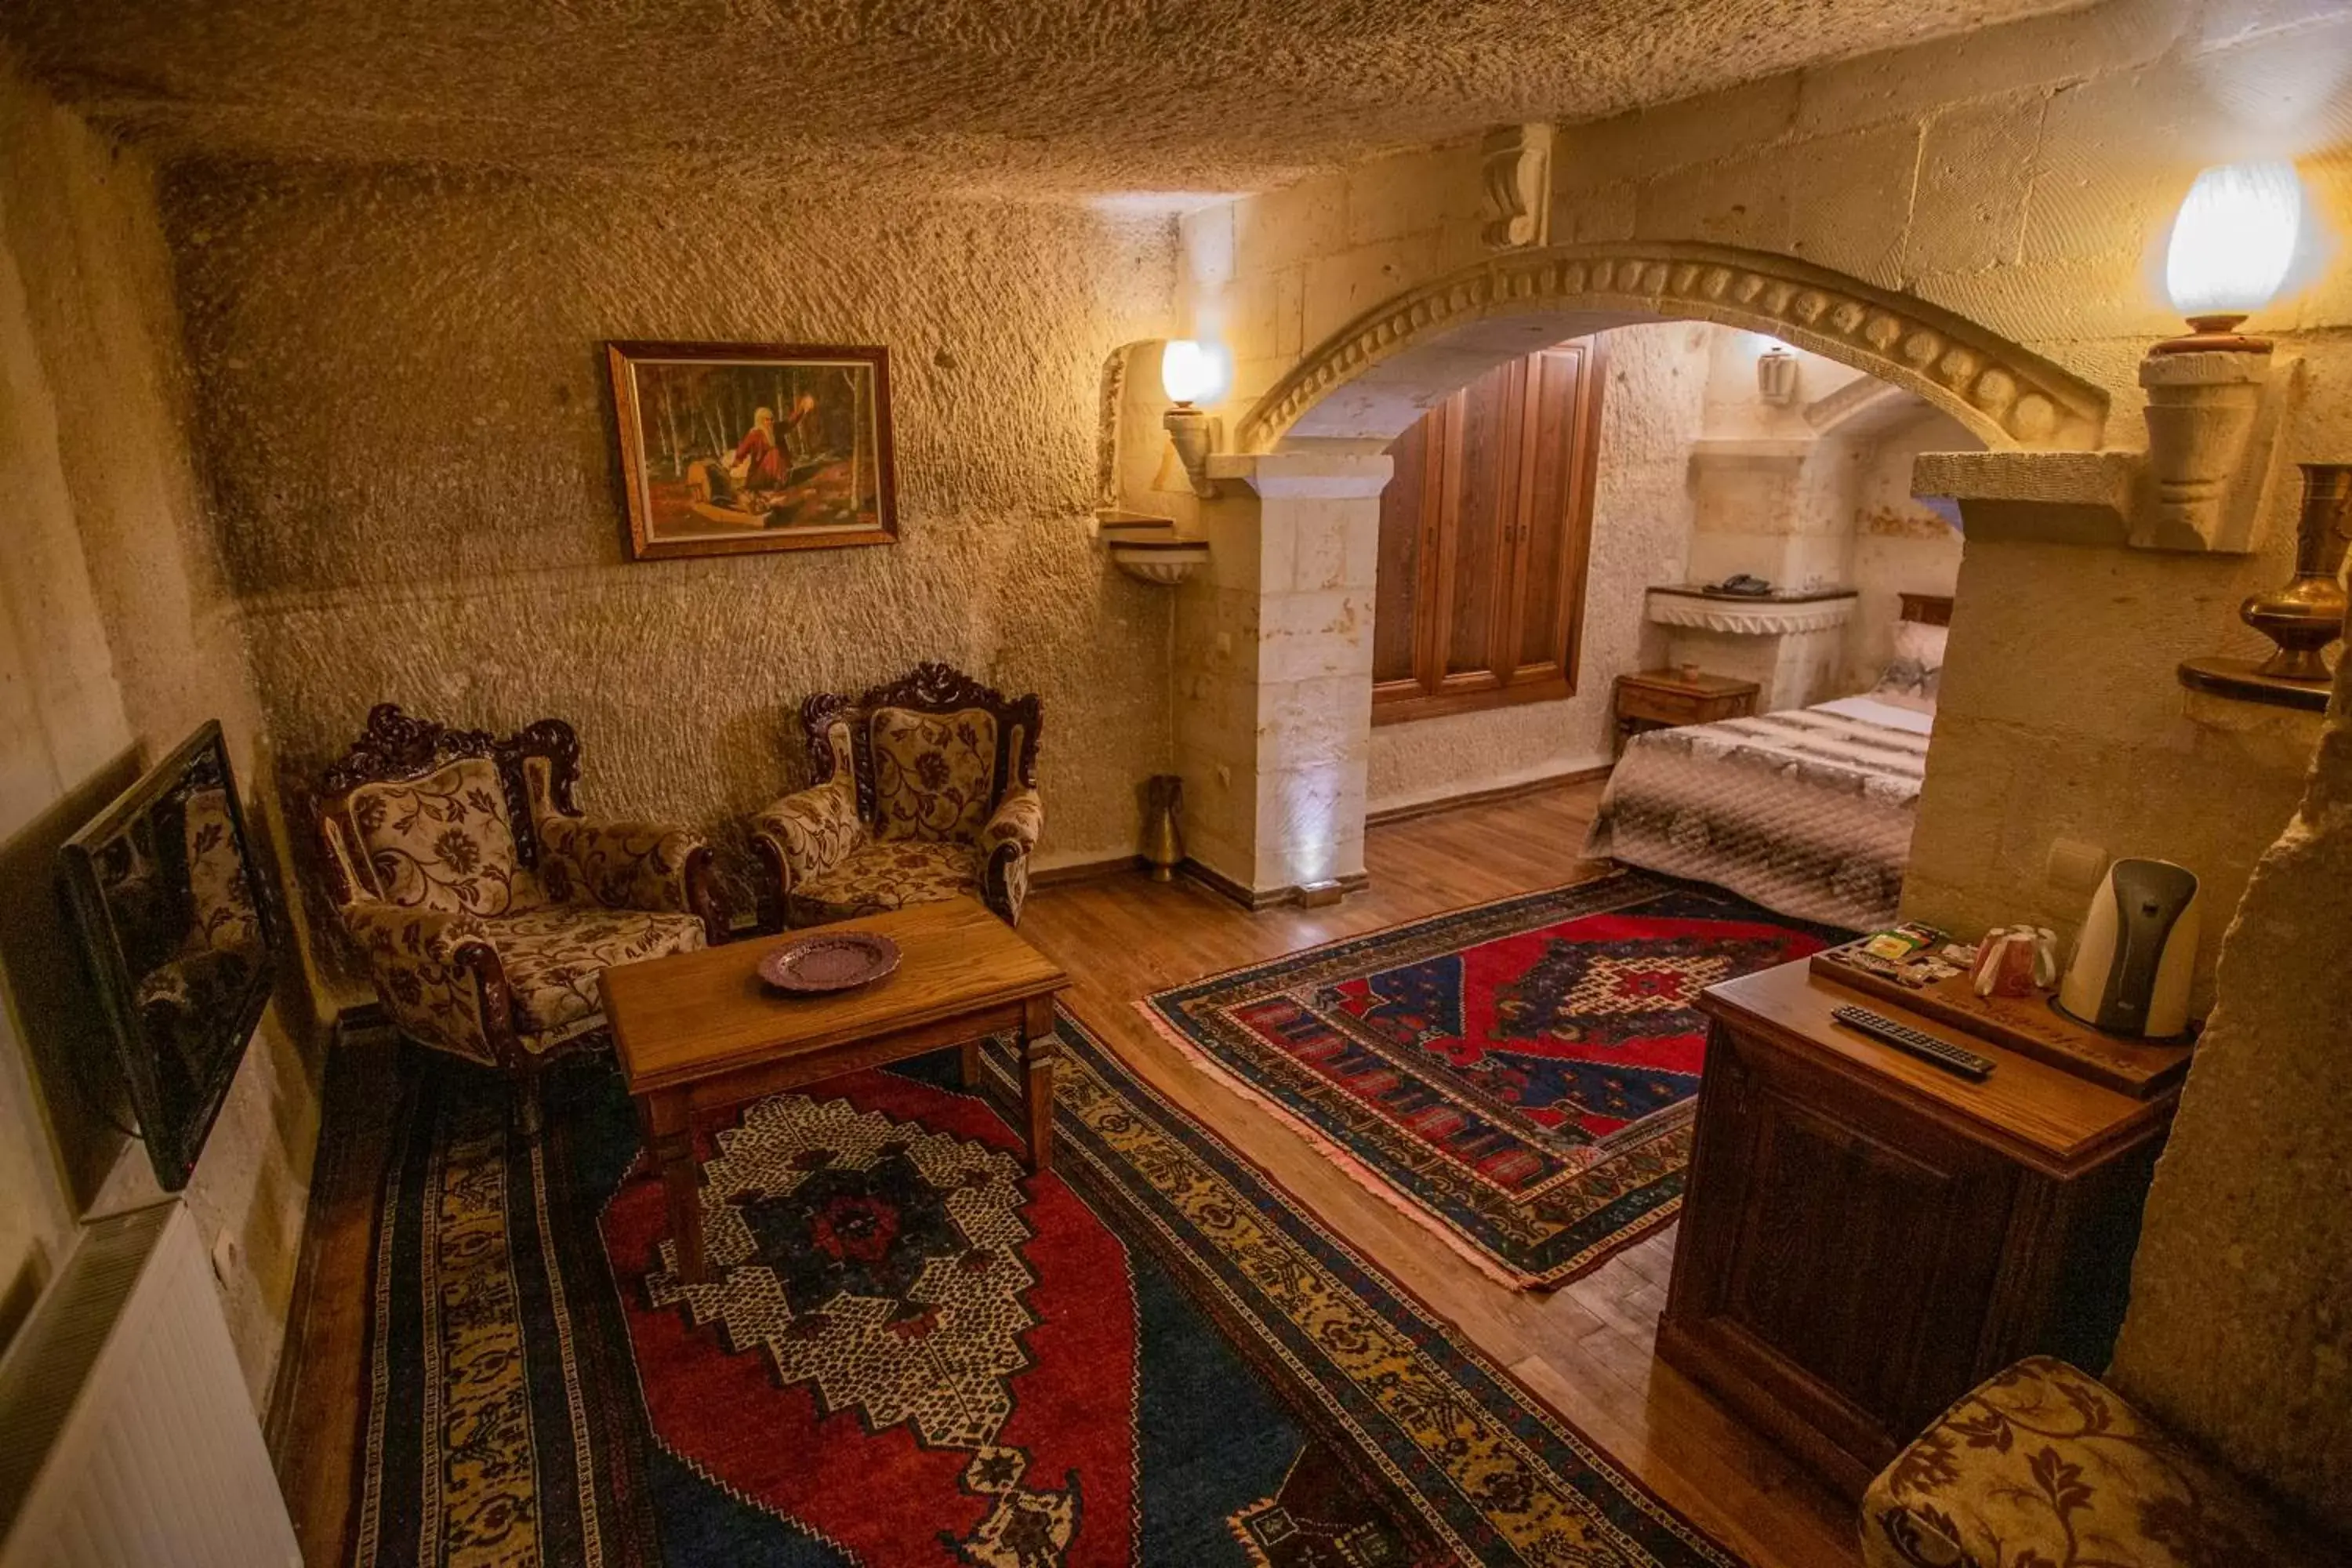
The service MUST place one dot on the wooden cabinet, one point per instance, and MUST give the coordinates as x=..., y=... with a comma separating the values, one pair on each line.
x=1483, y=530
x=1865, y=1237
x=1666, y=698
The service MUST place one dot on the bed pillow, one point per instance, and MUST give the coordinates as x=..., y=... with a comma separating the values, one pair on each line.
x=1917, y=668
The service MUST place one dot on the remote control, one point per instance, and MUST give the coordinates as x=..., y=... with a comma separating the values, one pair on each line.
x=1904, y=1037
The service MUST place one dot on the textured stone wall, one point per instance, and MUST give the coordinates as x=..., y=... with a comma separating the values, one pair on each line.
x=1650, y=412
x=120, y=639
x=2241, y=1323
x=2024, y=177
x=1900, y=544
x=409, y=431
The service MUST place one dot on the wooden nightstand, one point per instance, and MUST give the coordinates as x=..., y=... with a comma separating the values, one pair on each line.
x=1865, y=1237
x=1663, y=699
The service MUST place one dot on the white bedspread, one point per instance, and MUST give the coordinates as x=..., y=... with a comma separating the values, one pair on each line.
x=1807, y=812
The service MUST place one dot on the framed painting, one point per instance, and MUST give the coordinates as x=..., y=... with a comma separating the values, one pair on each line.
x=732, y=448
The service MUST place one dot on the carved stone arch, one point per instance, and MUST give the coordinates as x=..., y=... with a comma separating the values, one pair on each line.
x=2006, y=395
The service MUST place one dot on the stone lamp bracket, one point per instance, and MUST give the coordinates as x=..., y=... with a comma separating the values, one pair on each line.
x=2215, y=472
x=1192, y=435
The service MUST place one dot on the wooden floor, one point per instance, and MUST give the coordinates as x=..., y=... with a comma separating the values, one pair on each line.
x=1584, y=1349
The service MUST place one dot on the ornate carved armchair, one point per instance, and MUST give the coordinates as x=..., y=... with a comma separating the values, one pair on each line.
x=487, y=905
x=926, y=788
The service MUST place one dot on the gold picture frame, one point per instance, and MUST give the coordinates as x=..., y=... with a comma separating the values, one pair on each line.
x=731, y=449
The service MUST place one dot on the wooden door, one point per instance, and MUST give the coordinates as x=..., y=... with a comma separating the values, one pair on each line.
x=1484, y=537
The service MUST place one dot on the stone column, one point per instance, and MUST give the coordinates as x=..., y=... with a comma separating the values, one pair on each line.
x=1273, y=668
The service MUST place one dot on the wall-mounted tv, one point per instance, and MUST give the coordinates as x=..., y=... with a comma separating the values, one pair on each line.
x=173, y=916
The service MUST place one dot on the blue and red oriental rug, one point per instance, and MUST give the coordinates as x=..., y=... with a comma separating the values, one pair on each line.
x=1520, y=1076
x=916, y=1353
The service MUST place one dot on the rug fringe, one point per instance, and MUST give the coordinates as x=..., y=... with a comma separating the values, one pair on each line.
x=1354, y=1169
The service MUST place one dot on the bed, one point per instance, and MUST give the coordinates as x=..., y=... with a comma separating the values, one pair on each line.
x=1808, y=811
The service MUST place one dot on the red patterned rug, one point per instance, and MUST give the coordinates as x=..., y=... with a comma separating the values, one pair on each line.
x=916, y=1354
x=1520, y=1076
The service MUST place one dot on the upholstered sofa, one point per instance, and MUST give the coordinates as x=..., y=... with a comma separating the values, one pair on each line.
x=925, y=788
x=487, y=905
x=2044, y=1467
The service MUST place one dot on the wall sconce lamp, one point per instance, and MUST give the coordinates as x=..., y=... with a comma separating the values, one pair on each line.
x=1193, y=372
x=2231, y=249
x=1776, y=377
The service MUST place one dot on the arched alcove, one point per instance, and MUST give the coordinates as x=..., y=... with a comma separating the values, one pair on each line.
x=1372, y=377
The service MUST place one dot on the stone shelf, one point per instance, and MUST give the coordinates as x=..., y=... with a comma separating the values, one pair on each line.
x=2239, y=680
x=1751, y=451
x=1778, y=615
x=1162, y=562
x=1148, y=548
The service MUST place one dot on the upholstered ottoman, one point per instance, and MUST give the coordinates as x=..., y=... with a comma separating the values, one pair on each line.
x=2043, y=1466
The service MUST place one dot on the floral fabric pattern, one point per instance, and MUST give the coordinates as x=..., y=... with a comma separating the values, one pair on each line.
x=814, y=828
x=1006, y=845
x=937, y=830
x=620, y=865
x=888, y=876
x=442, y=842
x=1019, y=820
x=555, y=961
x=414, y=957
x=221, y=900
x=1005, y=886
x=2043, y=1466
x=934, y=774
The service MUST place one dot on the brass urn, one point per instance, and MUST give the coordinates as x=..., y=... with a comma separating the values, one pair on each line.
x=1163, y=837
x=2308, y=614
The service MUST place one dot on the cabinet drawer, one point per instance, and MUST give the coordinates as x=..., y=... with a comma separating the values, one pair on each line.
x=1643, y=703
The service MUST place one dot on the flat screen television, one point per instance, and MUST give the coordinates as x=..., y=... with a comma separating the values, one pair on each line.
x=180, y=942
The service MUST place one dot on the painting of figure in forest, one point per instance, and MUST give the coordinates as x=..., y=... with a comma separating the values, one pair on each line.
x=739, y=447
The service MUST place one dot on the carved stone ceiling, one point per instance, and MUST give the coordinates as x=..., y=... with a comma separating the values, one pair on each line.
x=1045, y=98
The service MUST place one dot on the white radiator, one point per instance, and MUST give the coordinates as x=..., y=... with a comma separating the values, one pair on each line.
x=127, y=1439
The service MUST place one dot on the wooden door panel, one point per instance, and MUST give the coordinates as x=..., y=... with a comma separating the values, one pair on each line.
x=1556, y=512
x=1408, y=515
x=1483, y=541
x=1485, y=491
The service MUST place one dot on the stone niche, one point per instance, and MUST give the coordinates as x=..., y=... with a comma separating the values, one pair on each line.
x=1791, y=646
x=1809, y=493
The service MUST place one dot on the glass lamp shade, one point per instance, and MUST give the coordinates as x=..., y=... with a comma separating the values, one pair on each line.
x=1193, y=372
x=2234, y=239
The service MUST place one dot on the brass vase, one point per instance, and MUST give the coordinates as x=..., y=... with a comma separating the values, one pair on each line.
x=1164, y=839
x=2308, y=614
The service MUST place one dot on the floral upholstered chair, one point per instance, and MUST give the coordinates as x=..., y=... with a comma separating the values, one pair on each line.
x=2044, y=1467
x=925, y=788
x=488, y=906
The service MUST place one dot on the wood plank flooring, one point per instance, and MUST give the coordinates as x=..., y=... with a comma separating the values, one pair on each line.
x=1585, y=1349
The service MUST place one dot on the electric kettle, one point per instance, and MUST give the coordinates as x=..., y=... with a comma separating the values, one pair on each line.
x=2131, y=967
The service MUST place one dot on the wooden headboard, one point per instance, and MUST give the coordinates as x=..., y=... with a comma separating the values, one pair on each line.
x=1927, y=609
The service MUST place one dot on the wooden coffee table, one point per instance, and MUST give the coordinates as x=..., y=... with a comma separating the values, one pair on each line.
x=700, y=1031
